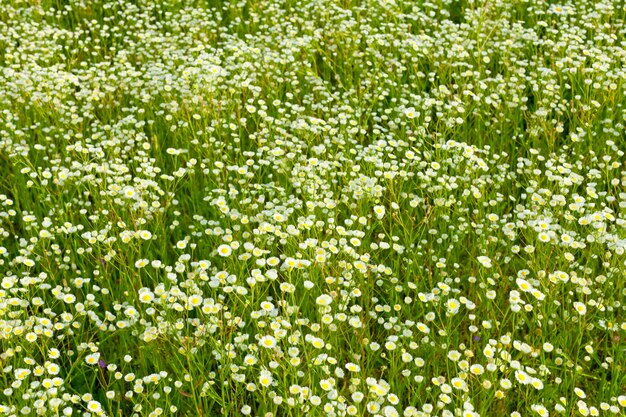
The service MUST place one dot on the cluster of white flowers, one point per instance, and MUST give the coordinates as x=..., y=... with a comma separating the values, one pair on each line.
x=312, y=207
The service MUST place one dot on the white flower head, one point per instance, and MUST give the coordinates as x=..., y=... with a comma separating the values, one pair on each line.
x=324, y=300
x=224, y=250
x=484, y=261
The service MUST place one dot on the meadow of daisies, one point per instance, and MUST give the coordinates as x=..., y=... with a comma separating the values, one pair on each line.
x=312, y=208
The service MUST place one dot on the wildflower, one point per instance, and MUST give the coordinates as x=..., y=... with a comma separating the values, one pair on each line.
x=265, y=378
x=537, y=383
x=373, y=407
x=523, y=285
x=580, y=308
x=129, y=192
x=92, y=358
x=267, y=341
x=145, y=234
x=352, y=367
x=53, y=368
x=94, y=407
x=477, y=369
x=484, y=261
x=458, y=383
x=390, y=411
x=522, y=377
x=224, y=250
x=69, y=298
x=411, y=113
x=145, y=295
x=544, y=237
x=324, y=300
x=194, y=300
x=541, y=410
x=453, y=305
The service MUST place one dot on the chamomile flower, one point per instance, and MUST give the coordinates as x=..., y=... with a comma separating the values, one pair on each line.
x=379, y=211
x=267, y=341
x=92, y=358
x=580, y=308
x=224, y=250
x=141, y=263
x=265, y=378
x=323, y=300
x=145, y=234
x=522, y=377
x=94, y=407
x=484, y=261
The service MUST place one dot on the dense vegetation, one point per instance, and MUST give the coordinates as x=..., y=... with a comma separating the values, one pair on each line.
x=312, y=208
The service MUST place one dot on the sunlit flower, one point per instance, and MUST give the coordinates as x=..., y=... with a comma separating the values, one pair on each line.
x=484, y=261
x=267, y=341
x=324, y=300
x=580, y=308
x=224, y=250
